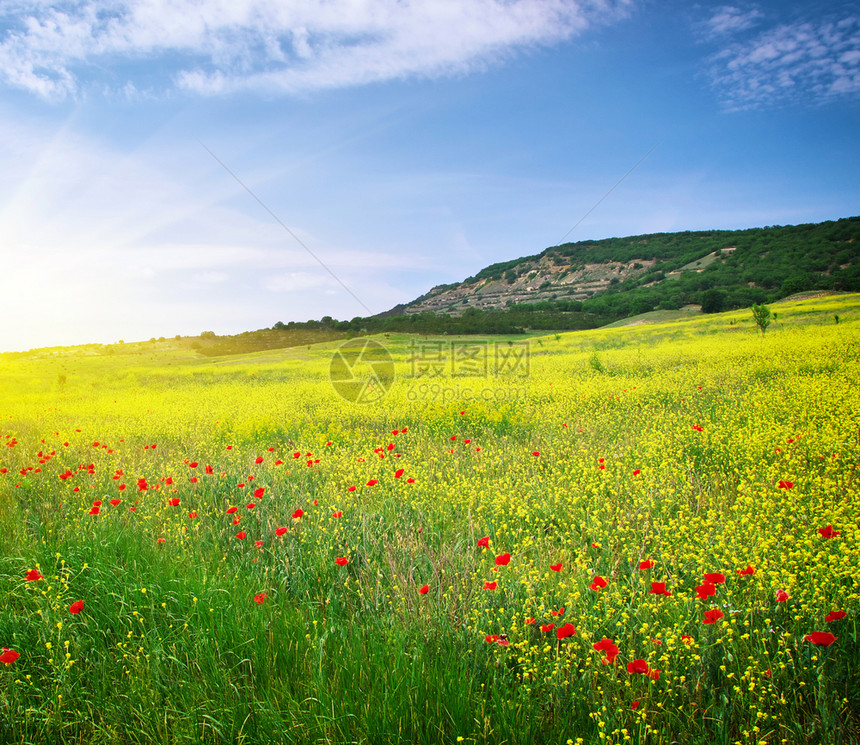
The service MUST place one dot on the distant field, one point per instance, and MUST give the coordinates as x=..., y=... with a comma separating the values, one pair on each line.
x=629, y=535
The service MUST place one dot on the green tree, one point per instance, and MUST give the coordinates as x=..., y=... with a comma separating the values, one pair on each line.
x=713, y=301
x=761, y=314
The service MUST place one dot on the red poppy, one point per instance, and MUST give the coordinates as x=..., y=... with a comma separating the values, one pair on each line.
x=484, y=542
x=659, y=588
x=33, y=575
x=351, y=488
x=490, y=585
x=647, y=564
x=241, y=535
x=555, y=567
x=598, y=584
x=786, y=485
x=781, y=596
x=95, y=510
x=821, y=638
x=341, y=561
x=715, y=578
x=503, y=560
x=828, y=532
x=687, y=639
x=164, y=540
x=339, y=513
x=547, y=627
x=698, y=428
x=9, y=656
x=173, y=502
x=609, y=647
x=749, y=571
x=258, y=459
x=559, y=612
x=706, y=590
x=491, y=638
x=76, y=607
x=398, y=473
x=637, y=472
x=634, y=705
x=536, y=453
x=637, y=666
x=115, y=502
x=231, y=510
x=280, y=531
x=530, y=621
x=565, y=631
x=250, y=506
x=259, y=492
x=298, y=513
x=372, y=482
x=260, y=597
x=424, y=590
x=835, y=615
x=713, y=615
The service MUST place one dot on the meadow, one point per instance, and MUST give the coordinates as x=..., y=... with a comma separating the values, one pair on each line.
x=647, y=534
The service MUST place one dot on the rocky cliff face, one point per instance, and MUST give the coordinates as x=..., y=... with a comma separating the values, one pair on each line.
x=532, y=281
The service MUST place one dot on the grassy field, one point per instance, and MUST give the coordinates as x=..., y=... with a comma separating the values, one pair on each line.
x=629, y=535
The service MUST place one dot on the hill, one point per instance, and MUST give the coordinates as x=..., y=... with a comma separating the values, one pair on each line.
x=584, y=285
x=716, y=269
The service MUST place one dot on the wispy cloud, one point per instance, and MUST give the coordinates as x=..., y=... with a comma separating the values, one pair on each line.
x=216, y=46
x=730, y=19
x=808, y=61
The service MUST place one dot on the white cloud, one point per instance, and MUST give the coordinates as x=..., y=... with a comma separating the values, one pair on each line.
x=730, y=19
x=213, y=46
x=812, y=62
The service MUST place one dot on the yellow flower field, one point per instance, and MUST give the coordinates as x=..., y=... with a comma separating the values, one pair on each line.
x=647, y=534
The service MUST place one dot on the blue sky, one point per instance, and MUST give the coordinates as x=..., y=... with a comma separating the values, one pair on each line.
x=403, y=144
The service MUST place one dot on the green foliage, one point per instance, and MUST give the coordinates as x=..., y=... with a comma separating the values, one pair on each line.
x=762, y=316
x=713, y=301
